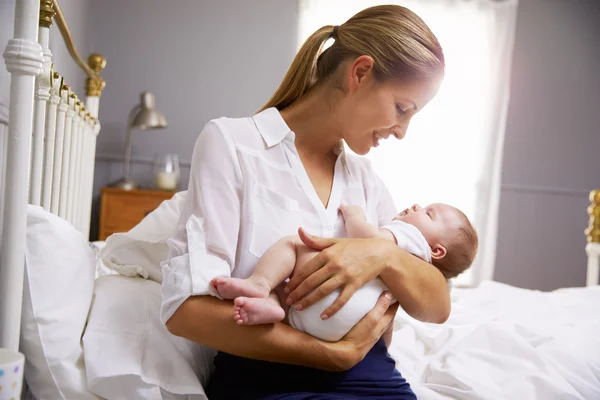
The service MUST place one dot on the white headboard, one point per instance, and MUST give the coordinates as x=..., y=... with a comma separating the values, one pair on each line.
x=49, y=148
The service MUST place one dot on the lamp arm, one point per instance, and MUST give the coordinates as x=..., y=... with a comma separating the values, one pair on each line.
x=127, y=156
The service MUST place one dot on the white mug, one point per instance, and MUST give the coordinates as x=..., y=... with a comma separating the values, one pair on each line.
x=11, y=374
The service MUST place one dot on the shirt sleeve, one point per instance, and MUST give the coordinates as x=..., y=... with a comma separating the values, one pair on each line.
x=205, y=241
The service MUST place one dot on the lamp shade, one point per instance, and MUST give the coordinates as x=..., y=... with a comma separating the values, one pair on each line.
x=142, y=116
x=147, y=116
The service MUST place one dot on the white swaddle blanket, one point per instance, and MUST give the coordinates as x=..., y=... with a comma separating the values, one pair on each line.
x=333, y=329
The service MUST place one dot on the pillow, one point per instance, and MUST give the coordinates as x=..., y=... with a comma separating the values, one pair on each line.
x=57, y=293
x=140, y=251
x=129, y=354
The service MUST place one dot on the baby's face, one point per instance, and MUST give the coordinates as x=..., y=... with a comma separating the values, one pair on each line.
x=436, y=222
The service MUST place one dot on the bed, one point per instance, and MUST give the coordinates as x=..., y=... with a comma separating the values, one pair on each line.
x=86, y=315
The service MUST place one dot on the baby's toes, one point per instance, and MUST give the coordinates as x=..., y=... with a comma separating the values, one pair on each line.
x=243, y=316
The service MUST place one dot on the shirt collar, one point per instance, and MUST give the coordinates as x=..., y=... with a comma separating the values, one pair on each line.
x=271, y=126
x=273, y=130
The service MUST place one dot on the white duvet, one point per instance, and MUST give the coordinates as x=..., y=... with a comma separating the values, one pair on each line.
x=503, y=342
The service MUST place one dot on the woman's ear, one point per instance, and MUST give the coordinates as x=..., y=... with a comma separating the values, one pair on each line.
x=438, y=252
x=360, y=71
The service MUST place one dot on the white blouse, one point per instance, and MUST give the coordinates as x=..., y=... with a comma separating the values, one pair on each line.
x=248, y=188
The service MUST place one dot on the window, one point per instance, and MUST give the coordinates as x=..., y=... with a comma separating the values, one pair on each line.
x=453, y=148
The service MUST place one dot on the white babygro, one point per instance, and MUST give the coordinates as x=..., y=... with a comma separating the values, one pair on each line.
x=333, y=329
x=410, y=238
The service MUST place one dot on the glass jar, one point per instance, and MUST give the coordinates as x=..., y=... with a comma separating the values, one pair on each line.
x=166, y=171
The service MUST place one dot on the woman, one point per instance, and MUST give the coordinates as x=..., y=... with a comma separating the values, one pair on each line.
x=255, y=180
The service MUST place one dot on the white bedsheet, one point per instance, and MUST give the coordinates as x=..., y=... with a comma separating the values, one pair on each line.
x=503, y=342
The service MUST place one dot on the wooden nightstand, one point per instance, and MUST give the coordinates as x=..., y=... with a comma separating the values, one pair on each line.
x=121, y=210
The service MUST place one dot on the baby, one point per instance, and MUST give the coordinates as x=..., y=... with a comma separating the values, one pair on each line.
x=439, y=233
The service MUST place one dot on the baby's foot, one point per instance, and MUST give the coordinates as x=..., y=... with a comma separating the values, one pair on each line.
x=230, y=288
x=248, y=311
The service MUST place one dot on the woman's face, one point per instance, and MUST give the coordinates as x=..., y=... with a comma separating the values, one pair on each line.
x=373, y=110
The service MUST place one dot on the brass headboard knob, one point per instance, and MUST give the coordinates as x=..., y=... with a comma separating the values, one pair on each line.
x=94, y=86
x=46, y=13
x=96, y=62
x=593, y=230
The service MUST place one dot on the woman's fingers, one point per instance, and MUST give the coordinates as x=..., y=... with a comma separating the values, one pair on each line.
x=314, y=281
x=319, y=293
x=363, y=336
x=315, y=242
x=303, y=272
x=370, y=328
x=388, y=318
x=340, y=302
x=378, y=312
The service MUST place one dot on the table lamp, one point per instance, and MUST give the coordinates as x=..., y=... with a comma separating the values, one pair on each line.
x=143, y=116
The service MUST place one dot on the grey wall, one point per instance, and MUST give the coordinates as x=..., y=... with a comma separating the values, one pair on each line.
x=77, y=14
x=552, y=147
x=201, y=59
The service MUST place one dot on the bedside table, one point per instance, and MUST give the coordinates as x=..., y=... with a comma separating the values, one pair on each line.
x=121, y=210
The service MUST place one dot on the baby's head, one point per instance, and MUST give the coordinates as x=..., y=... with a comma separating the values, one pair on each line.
x=450, y=235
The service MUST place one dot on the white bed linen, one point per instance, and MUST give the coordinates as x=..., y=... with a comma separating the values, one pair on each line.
x=129, y=354
x=57, y=293
x=140, y=251
x=101, y=268
x=503, y=342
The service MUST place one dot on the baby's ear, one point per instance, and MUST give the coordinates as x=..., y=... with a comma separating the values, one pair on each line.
x=438, y=252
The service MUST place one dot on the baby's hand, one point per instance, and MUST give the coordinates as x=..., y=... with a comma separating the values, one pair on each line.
x=349, y=211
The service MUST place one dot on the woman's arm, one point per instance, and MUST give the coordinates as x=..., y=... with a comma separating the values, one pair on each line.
x=208, y=320
x=348, y=264
x=419, y=287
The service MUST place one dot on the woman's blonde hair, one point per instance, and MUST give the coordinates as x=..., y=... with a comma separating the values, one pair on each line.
x=400, y=43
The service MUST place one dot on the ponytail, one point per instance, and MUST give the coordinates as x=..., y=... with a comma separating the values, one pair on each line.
x=401, y=44
x=301, y=75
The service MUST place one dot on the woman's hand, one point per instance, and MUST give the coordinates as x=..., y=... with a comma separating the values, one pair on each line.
x=346, y=264
x=353, y=347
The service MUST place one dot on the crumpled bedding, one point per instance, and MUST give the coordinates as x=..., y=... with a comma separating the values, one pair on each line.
x=503, y=342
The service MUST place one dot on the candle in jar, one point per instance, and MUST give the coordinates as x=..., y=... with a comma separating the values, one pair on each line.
x=166, y=180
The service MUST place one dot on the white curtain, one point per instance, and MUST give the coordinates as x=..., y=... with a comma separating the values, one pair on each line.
x=453, y=149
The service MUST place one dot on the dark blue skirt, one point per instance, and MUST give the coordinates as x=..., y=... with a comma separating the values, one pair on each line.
x=374, y=378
